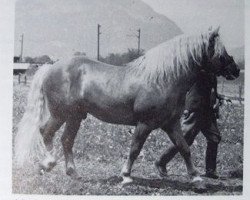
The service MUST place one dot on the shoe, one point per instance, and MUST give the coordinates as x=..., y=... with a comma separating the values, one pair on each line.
x=212, y=175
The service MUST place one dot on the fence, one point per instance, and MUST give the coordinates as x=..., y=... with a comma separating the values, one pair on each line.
x=238, y=91
x=22, y=78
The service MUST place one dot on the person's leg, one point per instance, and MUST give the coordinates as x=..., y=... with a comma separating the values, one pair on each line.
x=211, y=157
x=213, y=137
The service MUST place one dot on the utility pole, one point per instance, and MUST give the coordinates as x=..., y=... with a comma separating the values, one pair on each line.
x=98, y=41
x=139, y=40
x=21, y=54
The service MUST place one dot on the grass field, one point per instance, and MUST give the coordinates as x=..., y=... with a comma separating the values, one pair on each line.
x=101, y=149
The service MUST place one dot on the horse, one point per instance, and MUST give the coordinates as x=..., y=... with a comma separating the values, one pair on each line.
x=148, y=93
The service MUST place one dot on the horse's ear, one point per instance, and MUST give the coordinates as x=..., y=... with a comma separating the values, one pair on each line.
x=212, y=36
x=216, y=31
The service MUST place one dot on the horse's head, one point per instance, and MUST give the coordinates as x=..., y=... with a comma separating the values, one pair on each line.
x=219, y=62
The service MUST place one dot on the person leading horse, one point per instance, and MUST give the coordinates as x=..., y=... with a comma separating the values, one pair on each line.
x=200, y=114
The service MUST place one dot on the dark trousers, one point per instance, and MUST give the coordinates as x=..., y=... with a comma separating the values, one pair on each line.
x=191, y=126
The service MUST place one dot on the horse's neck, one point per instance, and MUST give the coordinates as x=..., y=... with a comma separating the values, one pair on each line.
x=186, y=81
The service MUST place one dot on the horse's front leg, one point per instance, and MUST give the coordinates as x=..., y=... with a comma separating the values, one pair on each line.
x=68, y=137
x=176, y=136
x=139, y=137
x=172, y=151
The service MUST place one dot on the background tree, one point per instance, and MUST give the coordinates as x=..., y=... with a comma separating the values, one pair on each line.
x=43, y=59
x=122, y=59
x=39, y=60
x=29, y=59
x=78, y=53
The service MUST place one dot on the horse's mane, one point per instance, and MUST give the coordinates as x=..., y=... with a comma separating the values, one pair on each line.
x=170, y=60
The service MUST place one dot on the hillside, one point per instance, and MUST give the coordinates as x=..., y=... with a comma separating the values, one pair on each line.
x=61, y=27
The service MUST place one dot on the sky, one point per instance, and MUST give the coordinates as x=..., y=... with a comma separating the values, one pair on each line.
x=197, y=15
x=192, y=16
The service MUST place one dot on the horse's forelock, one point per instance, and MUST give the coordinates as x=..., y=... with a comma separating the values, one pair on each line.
x=219, y=48
x=215, y=45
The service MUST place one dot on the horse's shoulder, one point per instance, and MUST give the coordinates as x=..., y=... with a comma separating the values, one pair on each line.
x=149, y=98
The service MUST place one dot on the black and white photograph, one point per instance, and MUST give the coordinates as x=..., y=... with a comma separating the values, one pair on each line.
x=126, y=98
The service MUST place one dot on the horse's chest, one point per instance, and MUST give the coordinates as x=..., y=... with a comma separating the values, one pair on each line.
x=159, y=106
x=150, y=107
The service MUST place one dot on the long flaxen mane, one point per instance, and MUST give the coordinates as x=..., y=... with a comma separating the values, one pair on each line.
x=173, y=59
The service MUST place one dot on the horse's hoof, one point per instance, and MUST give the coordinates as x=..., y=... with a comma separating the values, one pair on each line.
x=161, y=170
x=198, y=185
x=197, y=179
x=73, y=174
x=125, y=171
x=46, y=167
x=41, y=171
x=126, y=180
x=51, y=165
x=48, y=164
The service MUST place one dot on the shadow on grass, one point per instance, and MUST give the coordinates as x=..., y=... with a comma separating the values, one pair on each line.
x=182, y=184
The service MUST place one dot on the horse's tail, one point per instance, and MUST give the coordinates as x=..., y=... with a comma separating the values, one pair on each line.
x=29, y=143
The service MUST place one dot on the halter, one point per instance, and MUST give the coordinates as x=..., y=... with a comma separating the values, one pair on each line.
x=205, y=65
x=223, y=67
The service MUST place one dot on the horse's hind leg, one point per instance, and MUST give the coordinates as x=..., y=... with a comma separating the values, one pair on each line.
x=139, y=137
x=68, y=137
x=48, y=132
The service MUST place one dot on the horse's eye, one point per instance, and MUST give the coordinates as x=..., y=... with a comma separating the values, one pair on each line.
x=222, y=59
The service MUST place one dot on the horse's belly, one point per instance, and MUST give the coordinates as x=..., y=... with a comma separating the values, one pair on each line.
x=114, y=117
x=111, y=111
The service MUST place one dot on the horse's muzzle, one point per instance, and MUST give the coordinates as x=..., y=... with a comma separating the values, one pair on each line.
x=231, y=72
